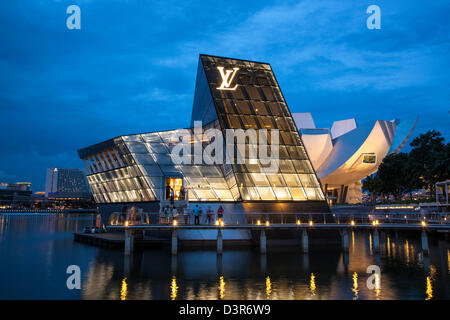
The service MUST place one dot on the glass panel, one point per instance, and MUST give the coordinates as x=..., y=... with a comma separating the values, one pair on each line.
x=259, y=179
x=292, y=180
x=266, y=193
x=282, y=193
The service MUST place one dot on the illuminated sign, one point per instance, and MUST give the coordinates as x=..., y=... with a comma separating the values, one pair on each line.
x=370, y=158
x=227, y=78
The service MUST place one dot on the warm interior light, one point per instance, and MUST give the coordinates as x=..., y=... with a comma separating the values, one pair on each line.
x=258, y=222
x=377, y=222
x=217, y=222
x=267, y=223
x=221, y=223
x=298, y=222
x=353, y=223
x=175, y=222
x=424, y=223
x=126, y=223
x=374, y=223
x=310, y=223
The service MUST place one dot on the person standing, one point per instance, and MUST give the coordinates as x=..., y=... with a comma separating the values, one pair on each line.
x=196, y=214
x=166, y=213
x=209, y=214
x=220, y=214
x=172, y=196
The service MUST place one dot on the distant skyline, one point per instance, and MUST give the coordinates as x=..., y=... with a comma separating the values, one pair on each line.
x=132, y=66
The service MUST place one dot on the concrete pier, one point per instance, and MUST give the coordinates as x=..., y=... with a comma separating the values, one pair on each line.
x=376, y=240
x=425, y=248
x=129, y=241
x=174, y=241
x=345, y=241
x=262, y=242
x=305, y=245
x=219, y=242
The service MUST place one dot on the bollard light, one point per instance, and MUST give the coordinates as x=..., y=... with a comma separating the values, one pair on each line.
x=267, y=223
x=258, y=222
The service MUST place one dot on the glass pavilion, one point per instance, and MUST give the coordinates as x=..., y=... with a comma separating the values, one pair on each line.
x=229, y=94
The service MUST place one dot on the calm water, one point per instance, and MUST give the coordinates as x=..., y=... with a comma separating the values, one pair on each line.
x=36, y=250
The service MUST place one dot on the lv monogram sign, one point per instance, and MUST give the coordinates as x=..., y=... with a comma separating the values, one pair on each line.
x=227, y=78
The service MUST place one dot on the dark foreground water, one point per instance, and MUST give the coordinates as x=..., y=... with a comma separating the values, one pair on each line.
x=35, y=252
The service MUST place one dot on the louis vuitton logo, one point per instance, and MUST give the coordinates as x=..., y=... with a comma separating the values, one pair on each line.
x=227, y=78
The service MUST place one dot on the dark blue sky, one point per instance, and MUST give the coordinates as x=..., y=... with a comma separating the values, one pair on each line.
x=131, y=68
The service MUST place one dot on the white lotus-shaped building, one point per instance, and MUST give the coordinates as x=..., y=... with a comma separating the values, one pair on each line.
x=348, y=153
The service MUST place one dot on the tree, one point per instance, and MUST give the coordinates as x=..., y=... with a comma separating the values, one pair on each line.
x=371, y=185
x=392, y=174
x=429, y=158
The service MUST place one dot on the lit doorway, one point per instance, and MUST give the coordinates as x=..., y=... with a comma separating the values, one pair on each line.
x=174, y=184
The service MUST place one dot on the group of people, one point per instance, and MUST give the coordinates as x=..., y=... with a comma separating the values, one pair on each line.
x=172, y=196
x=169, y=213
x=197, y=213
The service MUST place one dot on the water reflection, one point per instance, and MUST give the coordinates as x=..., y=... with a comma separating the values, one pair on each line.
x=355, y=286
x=173, y=288
x=154, y=273
x=221, y=288
x=124, y=289
x=268, y=287
x=312, y=284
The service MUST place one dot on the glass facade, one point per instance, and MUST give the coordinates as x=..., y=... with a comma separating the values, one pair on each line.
x=136, y=167
x=257, y=103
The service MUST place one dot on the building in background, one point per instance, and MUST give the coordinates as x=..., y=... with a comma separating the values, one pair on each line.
x=347, y=153
x=15, y=195
x=66, y=184
x=229, y=94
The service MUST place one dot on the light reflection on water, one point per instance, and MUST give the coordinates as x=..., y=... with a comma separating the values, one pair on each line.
x=38, y=249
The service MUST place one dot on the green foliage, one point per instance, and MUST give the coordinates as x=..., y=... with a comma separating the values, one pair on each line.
x=400, y=173
x=430, y=158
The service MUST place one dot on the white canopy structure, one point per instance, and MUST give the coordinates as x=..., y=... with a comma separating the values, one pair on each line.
x=348, y=153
